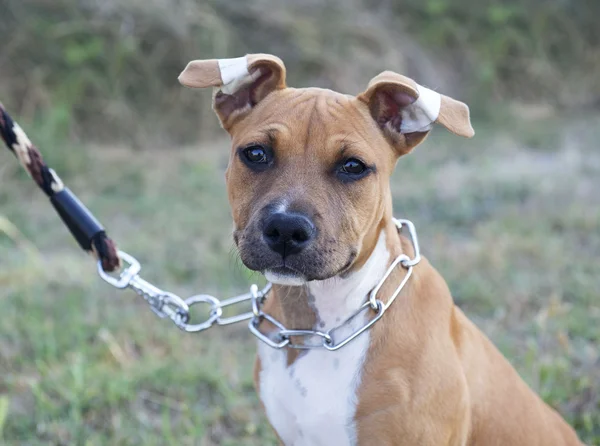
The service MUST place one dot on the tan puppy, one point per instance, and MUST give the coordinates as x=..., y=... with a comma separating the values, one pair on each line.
x=308, y=184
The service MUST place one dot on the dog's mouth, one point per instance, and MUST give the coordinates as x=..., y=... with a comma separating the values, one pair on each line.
x=345, y=269
x=288, y=275
x=321, y=260
x=284, y=275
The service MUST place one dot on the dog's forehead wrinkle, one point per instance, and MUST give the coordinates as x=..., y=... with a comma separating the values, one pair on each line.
x=270, y=134
x=329, y=103
x=346, y=145
x=310, y=122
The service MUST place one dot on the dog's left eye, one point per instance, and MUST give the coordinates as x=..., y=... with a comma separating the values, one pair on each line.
x=353, y=169
x=353, y=166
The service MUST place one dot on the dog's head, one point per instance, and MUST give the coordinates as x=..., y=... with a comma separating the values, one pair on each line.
x=308, y=177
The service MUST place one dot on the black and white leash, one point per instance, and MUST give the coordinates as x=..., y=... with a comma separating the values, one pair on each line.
x=86, y=229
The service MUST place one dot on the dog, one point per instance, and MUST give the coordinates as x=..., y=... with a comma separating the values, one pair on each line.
x=308, y=185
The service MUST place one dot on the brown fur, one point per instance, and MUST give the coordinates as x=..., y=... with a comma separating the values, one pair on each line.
x=440, y=381
x=430, y=377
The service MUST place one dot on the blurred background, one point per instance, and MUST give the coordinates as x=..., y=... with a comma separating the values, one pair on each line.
x=511, y=218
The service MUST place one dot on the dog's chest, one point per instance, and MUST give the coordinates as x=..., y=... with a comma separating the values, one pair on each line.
x=313, y=401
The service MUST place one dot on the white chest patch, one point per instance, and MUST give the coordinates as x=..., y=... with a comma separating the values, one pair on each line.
x=313, y=401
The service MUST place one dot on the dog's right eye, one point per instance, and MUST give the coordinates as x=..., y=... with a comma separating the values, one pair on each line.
x=256, y=154
x=256, y=157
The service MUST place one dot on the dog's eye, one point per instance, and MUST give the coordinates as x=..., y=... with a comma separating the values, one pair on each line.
x=255, y=155
x=353, y=169
x=353, y=166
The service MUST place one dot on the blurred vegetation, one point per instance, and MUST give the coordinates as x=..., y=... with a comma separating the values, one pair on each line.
x=531, y=50
x=511, y=219
x=112, y=65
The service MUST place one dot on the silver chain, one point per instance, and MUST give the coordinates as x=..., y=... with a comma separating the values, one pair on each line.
x=166, y=304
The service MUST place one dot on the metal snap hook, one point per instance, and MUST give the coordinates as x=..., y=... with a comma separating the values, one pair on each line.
x=126, y=275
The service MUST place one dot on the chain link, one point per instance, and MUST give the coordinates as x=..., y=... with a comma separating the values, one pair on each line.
x=166, y=304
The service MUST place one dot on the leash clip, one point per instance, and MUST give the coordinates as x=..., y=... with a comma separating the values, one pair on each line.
x=163, y=303
x=126, y=276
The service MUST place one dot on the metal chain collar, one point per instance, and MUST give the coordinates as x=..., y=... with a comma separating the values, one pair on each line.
x=166, y=304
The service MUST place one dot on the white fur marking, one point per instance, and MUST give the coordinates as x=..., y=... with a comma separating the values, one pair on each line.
x=421, y=114
x=284, y=280
x=313, y=402
x=281, y=207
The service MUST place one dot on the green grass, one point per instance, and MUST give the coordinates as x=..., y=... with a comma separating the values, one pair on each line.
x=515, y=230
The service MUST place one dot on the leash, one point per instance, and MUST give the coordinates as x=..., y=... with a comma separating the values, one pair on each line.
x=92, y=238
x=88, y=231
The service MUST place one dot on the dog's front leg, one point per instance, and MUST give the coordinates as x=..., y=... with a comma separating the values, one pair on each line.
x=385, y=429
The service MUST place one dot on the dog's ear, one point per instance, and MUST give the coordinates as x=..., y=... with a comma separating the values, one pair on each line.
x=405, y=111
x=239, y=83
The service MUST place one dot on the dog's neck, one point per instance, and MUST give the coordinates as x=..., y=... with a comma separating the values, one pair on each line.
x=325, y=304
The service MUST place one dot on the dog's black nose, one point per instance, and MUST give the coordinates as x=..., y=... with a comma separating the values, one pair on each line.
x=288, y=233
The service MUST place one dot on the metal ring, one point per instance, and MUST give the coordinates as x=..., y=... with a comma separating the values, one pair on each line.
x=215, y=313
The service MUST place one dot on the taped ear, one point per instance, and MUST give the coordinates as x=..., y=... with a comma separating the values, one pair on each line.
x=239, y=83
x=406, y=111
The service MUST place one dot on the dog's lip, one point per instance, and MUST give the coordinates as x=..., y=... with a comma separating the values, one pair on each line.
x=349, y=263
x=285, y=276
x=284, y=271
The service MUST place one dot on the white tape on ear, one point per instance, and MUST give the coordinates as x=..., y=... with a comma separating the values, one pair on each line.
x=232, y=69
x=421, y=114
x=234, y=74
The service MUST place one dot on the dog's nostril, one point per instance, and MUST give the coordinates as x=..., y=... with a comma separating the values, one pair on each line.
x=300, y=235
x=272, y=233
x=271, y=230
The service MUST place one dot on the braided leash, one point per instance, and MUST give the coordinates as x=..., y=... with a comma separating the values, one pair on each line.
x=88, y=232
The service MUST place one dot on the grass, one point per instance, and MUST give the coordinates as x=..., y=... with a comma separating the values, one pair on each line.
x=512, y=223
